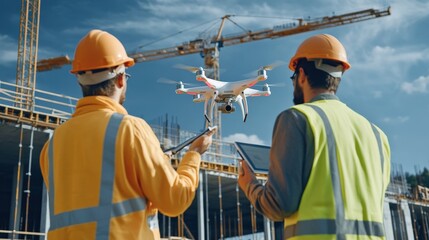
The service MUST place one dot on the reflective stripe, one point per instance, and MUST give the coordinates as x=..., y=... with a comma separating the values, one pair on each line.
x=107, y=177
x=335, y=174
x=128, y=206
x=51, y=186
x=338, y=226
x=106, y=210
x=328, y=226
x=91, y=214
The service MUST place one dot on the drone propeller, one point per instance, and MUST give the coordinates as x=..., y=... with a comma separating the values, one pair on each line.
x=271, y=85
x=266, y=68
x=187, y=68
x=169, y=81
x=273, y=65
x=195, y=69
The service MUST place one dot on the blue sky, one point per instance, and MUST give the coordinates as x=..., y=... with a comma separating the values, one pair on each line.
x=388, y=82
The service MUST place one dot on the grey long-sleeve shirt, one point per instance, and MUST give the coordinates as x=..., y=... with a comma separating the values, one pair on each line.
x=291, y=160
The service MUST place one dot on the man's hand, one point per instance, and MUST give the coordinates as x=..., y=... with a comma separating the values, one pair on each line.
x=202, y=143
x=245, y=176
x=169, y=154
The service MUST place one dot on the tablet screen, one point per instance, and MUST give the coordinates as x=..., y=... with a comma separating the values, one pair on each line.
x=257, y=156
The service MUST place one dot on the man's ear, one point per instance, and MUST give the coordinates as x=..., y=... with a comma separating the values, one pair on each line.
x=301, y=76
x=120, y=80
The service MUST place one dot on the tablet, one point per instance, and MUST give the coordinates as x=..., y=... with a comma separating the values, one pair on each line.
x=256, y=156
x=179, y=147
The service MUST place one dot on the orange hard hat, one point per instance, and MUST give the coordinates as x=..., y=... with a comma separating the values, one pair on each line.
x=98, y=50
x=323, y=46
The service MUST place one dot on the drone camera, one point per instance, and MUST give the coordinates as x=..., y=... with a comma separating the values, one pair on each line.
x=226, y=108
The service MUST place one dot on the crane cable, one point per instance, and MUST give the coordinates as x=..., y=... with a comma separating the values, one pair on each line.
x=214, y=22
x=174, y=34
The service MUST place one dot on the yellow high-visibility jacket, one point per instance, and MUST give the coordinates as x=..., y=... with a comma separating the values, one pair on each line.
x=329, y=169
x=344, y=196
x=110, y=177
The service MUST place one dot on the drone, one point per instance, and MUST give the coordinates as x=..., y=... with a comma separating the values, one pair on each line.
x=225, y=93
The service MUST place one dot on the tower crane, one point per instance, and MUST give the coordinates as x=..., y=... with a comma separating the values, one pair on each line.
x=209, y=48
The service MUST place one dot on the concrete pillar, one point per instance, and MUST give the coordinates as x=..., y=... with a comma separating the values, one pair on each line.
x=387, y=220
x=408, y=221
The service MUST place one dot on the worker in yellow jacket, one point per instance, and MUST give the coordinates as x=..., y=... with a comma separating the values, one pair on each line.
x=329, y=166
x=105, y=171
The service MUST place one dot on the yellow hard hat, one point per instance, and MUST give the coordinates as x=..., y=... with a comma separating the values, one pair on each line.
x=97, y=50
x=323, y=46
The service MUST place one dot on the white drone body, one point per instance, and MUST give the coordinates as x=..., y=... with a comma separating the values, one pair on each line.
x=225, y=92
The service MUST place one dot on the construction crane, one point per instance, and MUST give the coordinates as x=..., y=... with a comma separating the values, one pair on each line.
x=209, y=48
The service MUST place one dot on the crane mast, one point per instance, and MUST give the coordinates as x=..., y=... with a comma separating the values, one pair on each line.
x=211, y=61
x=27, y=53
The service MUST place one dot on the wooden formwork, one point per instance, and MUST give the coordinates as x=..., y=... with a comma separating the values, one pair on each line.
x=19, y=115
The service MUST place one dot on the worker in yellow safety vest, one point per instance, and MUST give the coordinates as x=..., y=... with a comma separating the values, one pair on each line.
x=105, y=171
x=329, y=166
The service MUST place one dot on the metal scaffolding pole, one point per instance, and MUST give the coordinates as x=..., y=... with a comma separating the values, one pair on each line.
x=28, y=191
x=207, y=205
x=220, y=208
x=200, y=200
x=18, y=186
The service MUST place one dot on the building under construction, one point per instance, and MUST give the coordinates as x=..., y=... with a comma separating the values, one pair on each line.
x=220, y=210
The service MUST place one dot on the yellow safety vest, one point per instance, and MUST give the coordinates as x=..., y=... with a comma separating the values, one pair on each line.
x=344, y=196
x=106, y=210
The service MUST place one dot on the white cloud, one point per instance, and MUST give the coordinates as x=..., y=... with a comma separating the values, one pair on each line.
x=420, y=85
x=381, y=50
x=395, y=59
x=8, y=50
x=396, y=120
x=241, y=137
x=403, y=15
x=387, y=65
